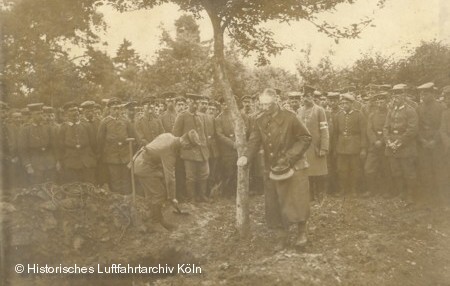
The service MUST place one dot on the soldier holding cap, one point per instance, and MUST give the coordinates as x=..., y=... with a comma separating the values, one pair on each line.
x=430, y=145
x=351, y=143
x=37, y=147
x=113, y=147
x=285, y=140
x=400, y=131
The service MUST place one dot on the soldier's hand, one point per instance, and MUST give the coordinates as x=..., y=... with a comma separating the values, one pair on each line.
x=363, y=153
x=242, y=161
x=322, y=153
x=378, y=144
x=29, y=169
x=174, y=202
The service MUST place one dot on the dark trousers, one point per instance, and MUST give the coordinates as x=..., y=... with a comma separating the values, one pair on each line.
x=119, y=178
x=349, y=170
x=85, y=175
x=376, y=170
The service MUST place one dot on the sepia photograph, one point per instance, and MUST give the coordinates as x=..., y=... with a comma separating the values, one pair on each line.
x=224, y=142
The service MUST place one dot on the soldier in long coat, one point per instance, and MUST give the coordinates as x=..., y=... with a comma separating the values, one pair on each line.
x=313, y=116
x=196, y=159
x=113, y=146
x=399, y=132
x=38, y=147
x=76, y=147
x=430, y=146
x=285, y=139
x=228, y=152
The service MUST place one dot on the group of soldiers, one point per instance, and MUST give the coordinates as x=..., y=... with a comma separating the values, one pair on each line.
x=383, y=141
x=391, y=141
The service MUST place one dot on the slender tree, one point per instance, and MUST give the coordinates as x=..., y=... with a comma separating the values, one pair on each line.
x=241, y=20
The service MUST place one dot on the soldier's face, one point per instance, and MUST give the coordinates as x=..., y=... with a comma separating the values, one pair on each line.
x=72, y=115
x=193, y=104
x=115, y=110
x=427, y=96
x=37, y=116
x=268, y=103
x=203, y=105
x=179, y=106
x=346, y=105
x=398, y=99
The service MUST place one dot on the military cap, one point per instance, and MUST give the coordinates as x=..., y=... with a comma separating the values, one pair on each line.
x=347, y=97
x=149, y=99
x=180, y=99
x=317, y=93
x=168, y=94
x=281, y=171
x=194, y=96
x=35, y=107
x=446, y=90
x=379, y=96
x=308, y=90
x=113, y=101
x=294, y=95
x=48, y=109
x=131, y=105
x=347, y=89
x=427, y=86
x=333, y=95
x=87, y=104
x=70, y=106
x=246, y=98
x=400, y=86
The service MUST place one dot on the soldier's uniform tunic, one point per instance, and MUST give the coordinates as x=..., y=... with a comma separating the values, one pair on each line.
x=350, y=131
x=401, y=125
x=113, y=147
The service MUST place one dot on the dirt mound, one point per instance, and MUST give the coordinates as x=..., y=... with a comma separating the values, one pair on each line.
x=352, y=242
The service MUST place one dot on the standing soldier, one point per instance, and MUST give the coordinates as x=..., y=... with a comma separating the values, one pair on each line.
x=445, y=137
x=37, y=147
x=350, y=129
x=149, y=126
x=331, y=111
x=195, y=159
x=400, y=131
x=376, y=166
x=228, y=153
x=113, y=146
x=210, y=128
x=430, y=145
x=313, y=116
x=169, y=116
x=77, y=145
x=285, y=140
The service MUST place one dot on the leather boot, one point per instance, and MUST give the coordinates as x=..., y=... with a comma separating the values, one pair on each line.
x=301, y=239
x=203, y=185
x=190, y=191
x=371, y=186
x=159, y=218
x=282, y=239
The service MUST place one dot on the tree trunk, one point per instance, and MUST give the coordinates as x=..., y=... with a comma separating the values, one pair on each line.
x=221, y=80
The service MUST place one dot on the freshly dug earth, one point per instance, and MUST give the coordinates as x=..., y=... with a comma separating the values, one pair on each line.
x=353, y=241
